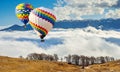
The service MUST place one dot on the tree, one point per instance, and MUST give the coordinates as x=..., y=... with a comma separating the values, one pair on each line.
x=32, y=56
x=21, y=57
x=75, y=59
x=87, y=60
x=83, y=61
x=68, y=59
x=102, y=59
x=56, y=57
x=92, y=60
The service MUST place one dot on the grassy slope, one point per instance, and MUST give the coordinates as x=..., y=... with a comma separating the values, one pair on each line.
x=21, y=65
x=113, y=66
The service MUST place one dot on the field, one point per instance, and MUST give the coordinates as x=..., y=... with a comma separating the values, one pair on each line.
x=8, y=64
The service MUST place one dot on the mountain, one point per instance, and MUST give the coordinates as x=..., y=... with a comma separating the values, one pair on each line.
x=17, y=28
x=103, y=24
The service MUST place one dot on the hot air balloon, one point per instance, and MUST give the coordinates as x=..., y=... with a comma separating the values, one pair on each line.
x=42, y=21
x=22, y=12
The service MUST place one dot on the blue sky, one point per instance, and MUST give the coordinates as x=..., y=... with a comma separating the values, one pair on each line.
x=63, y=9
x=7, y=11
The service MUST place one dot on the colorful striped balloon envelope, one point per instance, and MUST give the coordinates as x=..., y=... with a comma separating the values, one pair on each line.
x=42, y=21
x=22, y=12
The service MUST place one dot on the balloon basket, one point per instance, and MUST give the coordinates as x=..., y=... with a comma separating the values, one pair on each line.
x=42, y=40
x=24, y=26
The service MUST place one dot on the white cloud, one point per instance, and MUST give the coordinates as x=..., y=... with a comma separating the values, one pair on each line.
x=14, y=44
x=59, y=3
x=75, y=9
x=87, y=41
x=91, y=3
x=113, y=14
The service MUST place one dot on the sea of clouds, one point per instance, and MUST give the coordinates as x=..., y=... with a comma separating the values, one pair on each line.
x=86, y=41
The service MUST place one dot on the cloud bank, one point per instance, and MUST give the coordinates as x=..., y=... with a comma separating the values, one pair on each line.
x=87, y=41
x=86, y=9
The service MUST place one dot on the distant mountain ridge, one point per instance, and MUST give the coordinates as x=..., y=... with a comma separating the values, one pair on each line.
x=103, y=23
x=17, y=28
